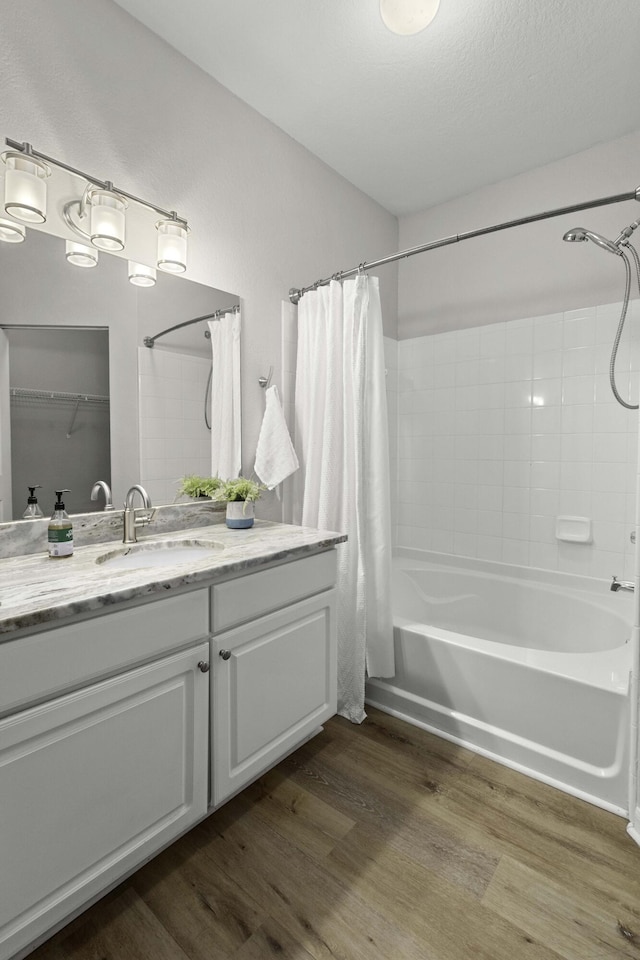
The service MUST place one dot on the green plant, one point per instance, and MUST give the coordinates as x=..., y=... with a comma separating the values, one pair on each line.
x=238, y=488
x=194, y=486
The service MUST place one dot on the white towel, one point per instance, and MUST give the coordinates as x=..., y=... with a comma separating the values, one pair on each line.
x=275, y=457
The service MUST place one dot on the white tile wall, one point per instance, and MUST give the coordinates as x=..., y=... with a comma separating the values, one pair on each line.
x=174, y=439
x=497, y=430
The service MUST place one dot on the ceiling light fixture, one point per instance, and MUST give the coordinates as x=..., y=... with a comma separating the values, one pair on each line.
x=25, y=188
x=407, y=17
x=81, y=255
x=141, y=275
x=11, y=231
x=98, y=216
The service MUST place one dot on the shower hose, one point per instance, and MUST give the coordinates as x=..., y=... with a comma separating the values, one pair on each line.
x=623, y=316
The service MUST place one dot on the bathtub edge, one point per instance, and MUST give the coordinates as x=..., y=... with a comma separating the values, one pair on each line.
x=587, y=796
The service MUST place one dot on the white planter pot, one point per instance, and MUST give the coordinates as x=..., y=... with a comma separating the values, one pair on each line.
x=240, y=514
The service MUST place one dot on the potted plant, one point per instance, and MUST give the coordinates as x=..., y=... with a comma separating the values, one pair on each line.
x=240, y=495
x=199, y=487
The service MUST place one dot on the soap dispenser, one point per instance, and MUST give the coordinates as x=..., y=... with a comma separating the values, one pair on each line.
x=33, y=511
x=60, y=529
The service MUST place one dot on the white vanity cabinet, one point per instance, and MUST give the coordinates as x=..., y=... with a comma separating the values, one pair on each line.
x=273, y=664
x=96, y=780
x=120, y=731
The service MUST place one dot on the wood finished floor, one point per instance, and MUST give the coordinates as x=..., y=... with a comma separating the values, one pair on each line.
x=375, y=843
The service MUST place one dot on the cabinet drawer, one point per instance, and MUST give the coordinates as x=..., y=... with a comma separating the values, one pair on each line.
x=37, y=667
x=246, y=598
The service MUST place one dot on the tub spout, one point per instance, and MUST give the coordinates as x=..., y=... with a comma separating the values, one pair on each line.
x=621, y=585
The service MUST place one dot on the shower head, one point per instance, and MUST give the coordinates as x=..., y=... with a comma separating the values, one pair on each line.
x=579, y=234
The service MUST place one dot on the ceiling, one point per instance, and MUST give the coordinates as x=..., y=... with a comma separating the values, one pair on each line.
x=490, y=89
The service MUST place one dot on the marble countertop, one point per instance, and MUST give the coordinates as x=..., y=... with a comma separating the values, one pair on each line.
x=36, y=590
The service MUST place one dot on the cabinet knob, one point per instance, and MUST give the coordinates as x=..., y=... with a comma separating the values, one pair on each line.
x=203, y=666
x=225, y=654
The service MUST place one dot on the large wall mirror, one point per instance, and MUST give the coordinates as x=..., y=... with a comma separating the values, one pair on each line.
x=81, y=398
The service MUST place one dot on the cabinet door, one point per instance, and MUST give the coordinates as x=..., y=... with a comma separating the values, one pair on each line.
x=93, y=783
x=273, y=683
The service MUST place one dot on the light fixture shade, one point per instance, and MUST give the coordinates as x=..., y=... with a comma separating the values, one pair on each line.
x=107, y=219
x=406, y=17
x=141, y=275
x=172, y=246
x=11, y=231
x=80, y=255
x=25, y=188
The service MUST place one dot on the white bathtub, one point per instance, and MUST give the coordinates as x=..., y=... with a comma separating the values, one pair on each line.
x=526, y=667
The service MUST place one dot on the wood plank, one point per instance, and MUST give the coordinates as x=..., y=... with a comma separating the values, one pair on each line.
x=315, y=909
x=120, y=927
x=49, y=951
x=205, y=911
x=562, y=812
x=566, y=839
x=412, y=766
x=293, y=812
x=405, y=739
x=580, y=926
x=416, y=769
x=272, y=940
x=443, y=917
x=392, y=795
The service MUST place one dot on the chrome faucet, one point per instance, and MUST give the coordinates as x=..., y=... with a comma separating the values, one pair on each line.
x=132, y=520
x=621, y=585
x=106, y=489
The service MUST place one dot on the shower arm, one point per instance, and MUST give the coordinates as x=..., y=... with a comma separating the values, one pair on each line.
x=295, y=293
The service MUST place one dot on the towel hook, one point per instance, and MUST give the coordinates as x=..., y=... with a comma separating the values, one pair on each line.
x=265, y=381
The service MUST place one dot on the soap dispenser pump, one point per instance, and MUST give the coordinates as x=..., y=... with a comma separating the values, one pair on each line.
x=60, y=533
x=33, y=511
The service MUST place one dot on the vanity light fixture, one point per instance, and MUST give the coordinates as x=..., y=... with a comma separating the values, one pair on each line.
x=407, y=17
x=141, y=275
x=25, y=187
x=98, y=217
x=80, y=255
x=11, y=231
x=107, y=218
x=172, y=245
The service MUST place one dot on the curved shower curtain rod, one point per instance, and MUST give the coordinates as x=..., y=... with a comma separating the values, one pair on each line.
x=149, y=341
x=295, y=294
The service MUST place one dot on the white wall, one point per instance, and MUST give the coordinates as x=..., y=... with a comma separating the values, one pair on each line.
x=524, y=271
x=86, y=83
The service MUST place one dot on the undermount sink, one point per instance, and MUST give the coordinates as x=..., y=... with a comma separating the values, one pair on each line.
x=169, y=554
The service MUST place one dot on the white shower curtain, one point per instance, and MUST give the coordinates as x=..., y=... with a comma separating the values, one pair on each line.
x=341, y=437
x=226, y=455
